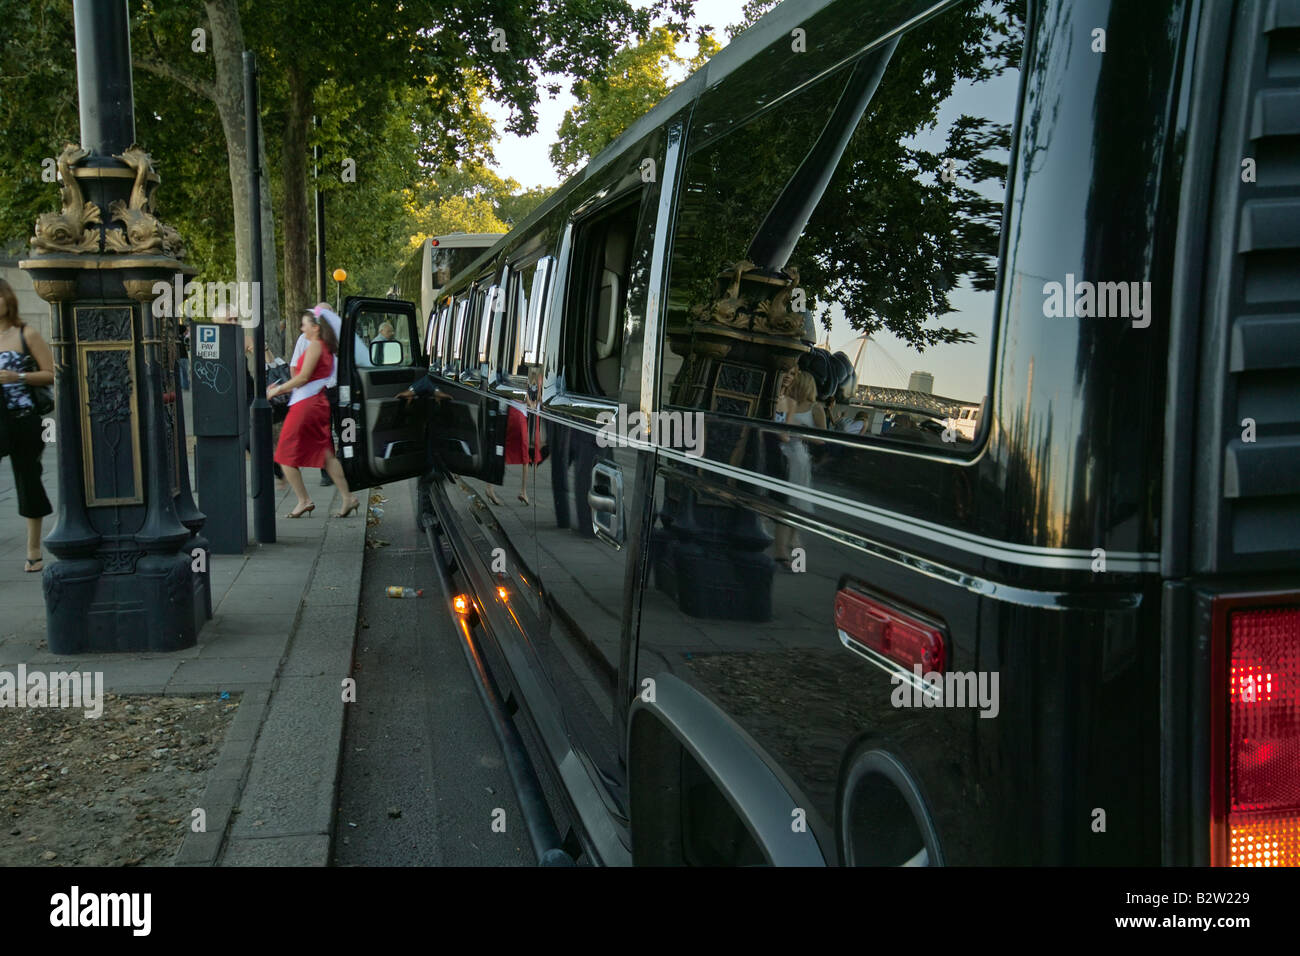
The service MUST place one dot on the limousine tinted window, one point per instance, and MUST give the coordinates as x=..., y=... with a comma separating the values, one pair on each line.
x=597, y=297
x=466, y=347
x=887, y=300
x=455, y=324
x=431, y=329
x=493, y=308
x=525, y=294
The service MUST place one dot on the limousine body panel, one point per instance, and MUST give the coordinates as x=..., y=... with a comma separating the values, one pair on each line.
x=674, y=617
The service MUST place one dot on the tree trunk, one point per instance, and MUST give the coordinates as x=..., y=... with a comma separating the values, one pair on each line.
x=297, y=256
x=228, y=96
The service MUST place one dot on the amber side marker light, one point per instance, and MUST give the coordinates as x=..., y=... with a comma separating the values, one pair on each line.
x=1255, y=732
x=461, y=603
x=503, y=594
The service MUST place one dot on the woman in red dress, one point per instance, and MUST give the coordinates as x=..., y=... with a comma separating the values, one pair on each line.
x=305, y=439
x=522, y=448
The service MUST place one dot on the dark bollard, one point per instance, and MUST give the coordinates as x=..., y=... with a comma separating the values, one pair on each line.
x=187, y=512
x=221, y=427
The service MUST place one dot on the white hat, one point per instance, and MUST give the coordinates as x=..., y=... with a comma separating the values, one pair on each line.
x=328, y=314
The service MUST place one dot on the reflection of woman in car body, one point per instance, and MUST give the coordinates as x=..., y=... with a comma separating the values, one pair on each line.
x=797, y=405
x=523, y=448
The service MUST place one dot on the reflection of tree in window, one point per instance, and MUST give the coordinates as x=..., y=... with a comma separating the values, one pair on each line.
x=905, y=224
x=892, y=237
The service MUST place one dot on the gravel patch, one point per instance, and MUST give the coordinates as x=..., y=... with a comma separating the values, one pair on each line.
x=113, y=791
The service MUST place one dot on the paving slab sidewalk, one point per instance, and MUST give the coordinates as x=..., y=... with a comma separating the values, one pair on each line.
x=281, y=636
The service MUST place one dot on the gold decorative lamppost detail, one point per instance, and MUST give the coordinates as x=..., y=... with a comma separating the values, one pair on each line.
x=132, y=567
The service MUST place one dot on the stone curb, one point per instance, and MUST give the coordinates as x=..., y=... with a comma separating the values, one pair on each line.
x=280, y=718
x=287, y=805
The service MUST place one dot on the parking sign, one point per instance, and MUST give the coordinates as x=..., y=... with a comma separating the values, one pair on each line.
x=209, y=346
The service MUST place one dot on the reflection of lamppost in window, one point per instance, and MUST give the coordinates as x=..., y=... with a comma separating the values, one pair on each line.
x=339, y=276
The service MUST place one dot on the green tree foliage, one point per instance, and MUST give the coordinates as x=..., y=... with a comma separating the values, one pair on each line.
x=38, y=108
x=367, y=223
x=749, y=15
x=469, y=198
x=398, y=196
x=356, y=65
x=38, y=114
x=638, y=77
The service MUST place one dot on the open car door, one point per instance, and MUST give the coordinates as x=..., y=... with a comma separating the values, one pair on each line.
x=380, y=354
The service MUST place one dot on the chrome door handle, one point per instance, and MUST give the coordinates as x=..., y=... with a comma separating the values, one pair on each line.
x=606, y=500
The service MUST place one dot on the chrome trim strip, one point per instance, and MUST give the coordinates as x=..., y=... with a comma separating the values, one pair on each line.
x=1026, y=555
x=659, y=267
x=1006, y=593
x=1010, y=552
x=891, y=668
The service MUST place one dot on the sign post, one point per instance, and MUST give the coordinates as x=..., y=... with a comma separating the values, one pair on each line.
x=221, y=429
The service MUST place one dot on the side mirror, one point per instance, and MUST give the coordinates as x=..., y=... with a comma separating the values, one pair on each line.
x=386, y=353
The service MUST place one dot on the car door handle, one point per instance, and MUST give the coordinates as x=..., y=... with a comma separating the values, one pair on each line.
x=605, y=496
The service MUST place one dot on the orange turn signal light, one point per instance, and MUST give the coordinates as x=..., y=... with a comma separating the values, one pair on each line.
x=461, y=603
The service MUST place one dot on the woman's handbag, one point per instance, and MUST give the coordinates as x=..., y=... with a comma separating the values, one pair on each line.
x=42, y=395
x=278, y=375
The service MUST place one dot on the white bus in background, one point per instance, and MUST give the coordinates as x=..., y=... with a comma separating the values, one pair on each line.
x=967, y=422
x=964, y=424
x=434, y=263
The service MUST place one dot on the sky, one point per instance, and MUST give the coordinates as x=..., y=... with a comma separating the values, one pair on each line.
x=527, y=160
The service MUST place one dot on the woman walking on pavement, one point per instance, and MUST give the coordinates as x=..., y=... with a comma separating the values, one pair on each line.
x=305, y=439
x=20, y=425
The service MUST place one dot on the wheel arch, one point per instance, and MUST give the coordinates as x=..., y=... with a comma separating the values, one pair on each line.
x=680, y=720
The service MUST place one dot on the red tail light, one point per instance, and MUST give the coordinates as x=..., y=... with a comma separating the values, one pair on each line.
x=1256, y=739
x=865, y=623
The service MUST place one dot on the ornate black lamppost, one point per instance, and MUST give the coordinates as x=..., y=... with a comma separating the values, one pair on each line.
x=132, y=568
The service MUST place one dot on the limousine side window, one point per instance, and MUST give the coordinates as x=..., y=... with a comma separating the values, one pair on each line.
x=433, y=335
x=493, y=310
x=451, y=334
x=467, y=337
x=597, y=298
x=886, y=300
x=525, y=300
x=430, y=334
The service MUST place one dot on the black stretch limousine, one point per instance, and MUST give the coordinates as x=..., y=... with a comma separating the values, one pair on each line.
x=888, y=450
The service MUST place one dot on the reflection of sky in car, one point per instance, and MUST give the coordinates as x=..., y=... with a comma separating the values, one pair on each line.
x=960, y=371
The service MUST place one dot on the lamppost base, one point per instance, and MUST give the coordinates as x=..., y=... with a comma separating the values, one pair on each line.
x=88, y=611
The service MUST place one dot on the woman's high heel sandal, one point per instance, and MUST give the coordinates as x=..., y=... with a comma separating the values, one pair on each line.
x=356, y=503
x=305, y=511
